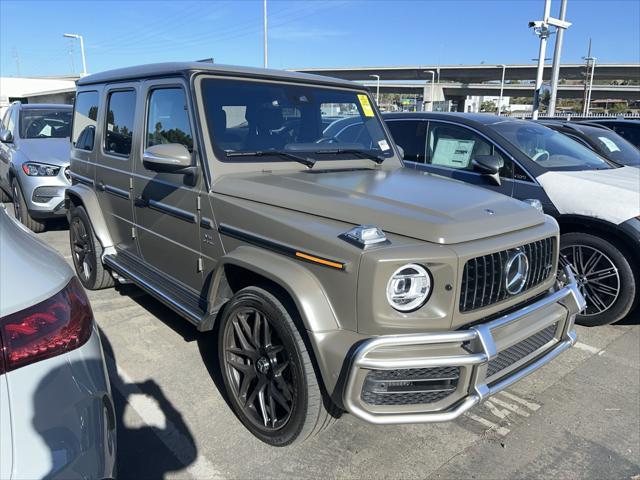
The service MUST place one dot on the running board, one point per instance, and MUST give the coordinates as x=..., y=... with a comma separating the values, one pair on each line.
x=183, y=302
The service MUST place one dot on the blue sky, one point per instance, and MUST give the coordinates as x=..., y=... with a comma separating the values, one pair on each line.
x=304, y=33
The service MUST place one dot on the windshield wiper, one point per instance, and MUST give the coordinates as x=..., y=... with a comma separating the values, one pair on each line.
x=307, y=162
x=352, y=151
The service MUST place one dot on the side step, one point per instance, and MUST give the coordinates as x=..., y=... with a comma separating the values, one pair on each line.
x=185, y=303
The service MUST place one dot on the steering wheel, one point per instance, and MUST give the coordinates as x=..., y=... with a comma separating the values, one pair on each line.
x=328, y=140
x=542, y=156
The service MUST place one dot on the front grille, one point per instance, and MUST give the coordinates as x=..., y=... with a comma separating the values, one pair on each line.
x=410, y=386
x=483, y=279
x=514, y=353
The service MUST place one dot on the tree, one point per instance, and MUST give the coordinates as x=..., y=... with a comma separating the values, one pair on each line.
x=488, y=106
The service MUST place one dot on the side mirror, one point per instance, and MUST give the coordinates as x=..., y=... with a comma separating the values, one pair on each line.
x=6, y=136
x=169, y=158
x=489, y=165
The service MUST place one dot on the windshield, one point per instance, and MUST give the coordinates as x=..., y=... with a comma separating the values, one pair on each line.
x=550, y=149
x=248, y=117
x=45, y=123
x=613, y=146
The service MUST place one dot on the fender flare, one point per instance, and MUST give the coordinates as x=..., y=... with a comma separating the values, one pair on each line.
x=304, y=288
x=83, y=195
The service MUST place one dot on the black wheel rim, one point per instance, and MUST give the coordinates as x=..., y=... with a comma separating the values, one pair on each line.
x=597, y=276
x=81, y=248
x=17, y=210
x=258, y=368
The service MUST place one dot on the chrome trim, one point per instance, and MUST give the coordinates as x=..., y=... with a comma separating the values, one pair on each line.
x=81, y=178
x=480, y=343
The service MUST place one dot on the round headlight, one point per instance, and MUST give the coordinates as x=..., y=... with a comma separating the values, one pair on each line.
x=409, y=287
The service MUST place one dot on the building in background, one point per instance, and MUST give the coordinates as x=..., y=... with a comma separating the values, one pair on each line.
x=59, y=89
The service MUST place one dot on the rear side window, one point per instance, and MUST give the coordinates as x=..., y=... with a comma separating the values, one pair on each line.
x=168, y=118
x=411, y=135
x=121, y=108
x=84, y=120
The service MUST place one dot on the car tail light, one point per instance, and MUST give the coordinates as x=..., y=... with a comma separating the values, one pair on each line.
x=55, y=326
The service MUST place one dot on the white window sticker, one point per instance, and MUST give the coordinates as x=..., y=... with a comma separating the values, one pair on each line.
x=384, y=146
x=453, y=153
x=609, y=144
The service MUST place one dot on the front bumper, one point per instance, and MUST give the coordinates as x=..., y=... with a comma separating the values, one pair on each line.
x=484, y=359
x=44, y=196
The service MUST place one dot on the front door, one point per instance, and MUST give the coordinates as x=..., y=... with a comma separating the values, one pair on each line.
x=114, y=162
x=167, y=204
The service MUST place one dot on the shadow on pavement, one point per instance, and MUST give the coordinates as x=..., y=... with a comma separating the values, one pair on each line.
x=148, y=451
x=632, y=319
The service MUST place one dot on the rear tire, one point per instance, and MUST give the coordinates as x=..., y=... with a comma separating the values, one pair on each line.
x=605, y=277
x=267, y=370
x=86, y=251
x=21, y=212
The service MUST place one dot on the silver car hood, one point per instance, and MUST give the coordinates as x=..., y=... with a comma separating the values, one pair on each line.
x=30, y=270
x=401, y=201
x=54, y=151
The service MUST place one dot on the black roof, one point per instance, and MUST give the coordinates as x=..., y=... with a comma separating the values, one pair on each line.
x=471, y=119
x=186, y=68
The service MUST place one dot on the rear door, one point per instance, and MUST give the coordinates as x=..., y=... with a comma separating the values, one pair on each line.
x=113, y=167
x=167, y=205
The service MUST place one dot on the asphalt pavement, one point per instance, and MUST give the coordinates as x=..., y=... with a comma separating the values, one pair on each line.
x=578, y=417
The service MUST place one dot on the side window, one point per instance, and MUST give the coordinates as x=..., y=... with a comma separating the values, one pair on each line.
x=11, y=120
x=168, y=118
x=5, y=119
x=121, y=108
x=85, y=116
x=454, y=146
x=411, y=135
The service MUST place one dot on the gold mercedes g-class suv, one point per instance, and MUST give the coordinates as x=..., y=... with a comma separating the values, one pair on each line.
x=336, y=279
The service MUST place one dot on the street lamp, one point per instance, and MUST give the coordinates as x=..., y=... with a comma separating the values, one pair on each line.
x=504, y=67
x=433, y=79
x=377, y=77
x=264, y=28
x=84, y=60
x=587, y=105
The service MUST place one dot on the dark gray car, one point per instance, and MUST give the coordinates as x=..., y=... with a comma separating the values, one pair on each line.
x=335, y=279
x=34, y=161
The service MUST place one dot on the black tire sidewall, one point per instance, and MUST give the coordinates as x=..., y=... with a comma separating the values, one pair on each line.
x=628, y=287
x=281, y=321
x=81, y=214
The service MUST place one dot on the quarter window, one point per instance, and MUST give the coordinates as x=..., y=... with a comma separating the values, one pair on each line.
x=85, y=117
x=168, y=119
x=119, y=126
x=411, y=136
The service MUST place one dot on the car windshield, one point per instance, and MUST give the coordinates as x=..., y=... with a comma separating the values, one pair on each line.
x=613, y=146
x=550, y=149
x=45, y=123
x=269, y=121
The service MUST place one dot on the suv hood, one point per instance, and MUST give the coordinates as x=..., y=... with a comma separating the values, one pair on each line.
x=401, y=201
x=54, y=151
x=611, y=195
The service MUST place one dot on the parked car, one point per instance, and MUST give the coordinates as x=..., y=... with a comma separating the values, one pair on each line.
x=335, y=278
x=596, y=203
x=602, y=140
x=627, y=129
x=56, y=408
x=34, y=161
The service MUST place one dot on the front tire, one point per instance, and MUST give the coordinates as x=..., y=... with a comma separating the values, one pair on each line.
x=86, y=251
x=604, y=276
x=21, y=212
x=267, y=370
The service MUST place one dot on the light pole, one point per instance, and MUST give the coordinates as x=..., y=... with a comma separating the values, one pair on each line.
x=266, y=48
x=377, y=77
x=84, y=59
x=557, y=52
x=541, y=28
x=433, y=79
x=587, y=106
x=504, y=67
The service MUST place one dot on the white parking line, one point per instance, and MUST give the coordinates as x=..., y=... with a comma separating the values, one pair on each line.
x=500, y=413
x=148, y=410
x=587, y=348
x=510, y=406
x=530, y=405
x=502, y=431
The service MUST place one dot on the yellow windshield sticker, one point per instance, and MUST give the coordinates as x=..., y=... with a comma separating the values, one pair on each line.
x=366, y=106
